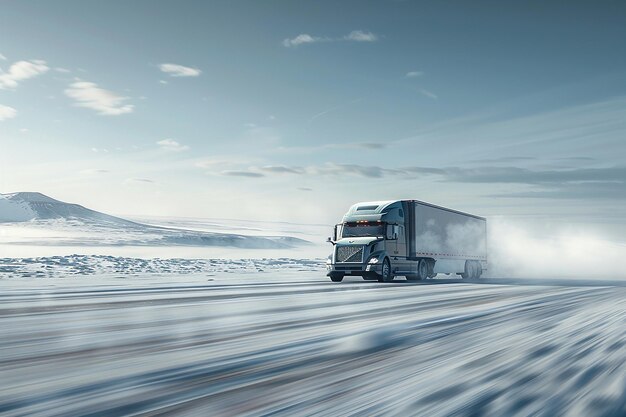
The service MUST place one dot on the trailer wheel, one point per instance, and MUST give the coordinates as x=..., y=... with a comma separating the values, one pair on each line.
x=336, y=277
x=473, y=270
x=386, y=274
x=468, y=270
x=479, y=270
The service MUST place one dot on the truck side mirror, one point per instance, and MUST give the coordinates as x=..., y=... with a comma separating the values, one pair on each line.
x=329, y=240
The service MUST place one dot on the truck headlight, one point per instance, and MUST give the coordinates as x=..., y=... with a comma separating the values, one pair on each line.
x=373, y=261
x=329, y=260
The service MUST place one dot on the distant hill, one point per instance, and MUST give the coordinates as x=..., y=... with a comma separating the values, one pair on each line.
x=99, y=229
x=25, y=206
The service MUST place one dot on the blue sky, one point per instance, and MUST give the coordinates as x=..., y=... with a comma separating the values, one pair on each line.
x=293, y=110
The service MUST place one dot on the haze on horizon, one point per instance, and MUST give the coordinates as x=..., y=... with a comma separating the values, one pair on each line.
x=292, y=111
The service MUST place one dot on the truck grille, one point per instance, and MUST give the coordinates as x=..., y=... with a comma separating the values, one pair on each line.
x=350, y=254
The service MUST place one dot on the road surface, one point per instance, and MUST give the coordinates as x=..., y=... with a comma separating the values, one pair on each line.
x=297, y=344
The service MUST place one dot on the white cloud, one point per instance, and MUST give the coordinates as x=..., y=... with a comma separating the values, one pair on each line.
x=62, y=70
x=413, y=74
x=354, y=36
x=22, y=70
x=302, y=38
x=3, y=58
x=7, y=112
x=175, y=70
x=360, y=36
x=89, y=95
x=172, y=145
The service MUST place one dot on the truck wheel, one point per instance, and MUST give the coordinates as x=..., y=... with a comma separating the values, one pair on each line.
x=422, y=269
x=386, y=275
x=336, y=277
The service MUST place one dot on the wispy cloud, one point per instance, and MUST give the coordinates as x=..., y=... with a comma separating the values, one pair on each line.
x=176, y=70
x=360, y=145
x=354, y=36
x=20, y=71
x=172, y=145
x=144, y=180
x=303, y=38
x=249, y=174
x=7, y=112
x=429, y=94
x=319, y=148
x=360, y=36
x=140, y=182
x=328, y=169
x=94, y=171
x=504, y=159
x=281, y=169
x=331, y=109
x=349, y=169
x=414, y=74
x=608, y=183
x=3, y=58
x=105, y=102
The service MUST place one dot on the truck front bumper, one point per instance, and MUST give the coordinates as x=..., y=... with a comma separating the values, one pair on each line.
x=353, y=269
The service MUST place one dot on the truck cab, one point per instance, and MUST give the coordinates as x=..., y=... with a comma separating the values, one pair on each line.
x=369, y=237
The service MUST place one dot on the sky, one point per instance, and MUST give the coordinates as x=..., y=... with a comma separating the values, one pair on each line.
x=295, y=110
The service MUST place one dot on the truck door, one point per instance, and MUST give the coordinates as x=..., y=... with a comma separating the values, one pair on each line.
x=400, y=249
x=392, y=239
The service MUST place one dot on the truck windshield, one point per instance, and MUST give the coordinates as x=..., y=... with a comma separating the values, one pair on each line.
x=363, y=229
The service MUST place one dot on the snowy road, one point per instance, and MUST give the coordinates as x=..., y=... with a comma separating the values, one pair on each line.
x=296, y=344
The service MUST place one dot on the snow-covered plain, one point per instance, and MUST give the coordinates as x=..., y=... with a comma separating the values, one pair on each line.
x=291, y=343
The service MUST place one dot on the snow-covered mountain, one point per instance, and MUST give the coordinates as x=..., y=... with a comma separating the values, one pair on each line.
x=73, y=224
x=26, y=206
x=12, y=210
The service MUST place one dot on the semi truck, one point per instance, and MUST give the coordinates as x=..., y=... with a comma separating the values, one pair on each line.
x=382, y=240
